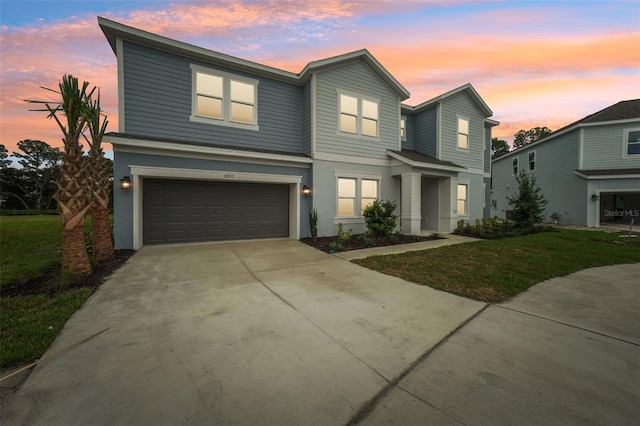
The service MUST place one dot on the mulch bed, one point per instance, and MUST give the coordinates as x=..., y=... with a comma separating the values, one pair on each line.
x=40, y=284
x=356, y=243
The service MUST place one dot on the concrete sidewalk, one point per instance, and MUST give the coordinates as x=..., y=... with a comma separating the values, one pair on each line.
x=446, y=240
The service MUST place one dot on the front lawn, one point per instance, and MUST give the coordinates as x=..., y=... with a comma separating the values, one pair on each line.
x=31, y=314
x=495, y=270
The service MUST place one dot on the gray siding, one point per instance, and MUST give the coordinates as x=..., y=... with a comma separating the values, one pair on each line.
x=487, y=149
x=426, y=123
x=157, y=99
x=604, y=147
x=358, y=78
x=555, y=162
x=461, y=104
x=410, y=130
x=306, y=119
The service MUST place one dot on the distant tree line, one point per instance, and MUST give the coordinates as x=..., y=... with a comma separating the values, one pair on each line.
x=521, y=139
x=32, y=185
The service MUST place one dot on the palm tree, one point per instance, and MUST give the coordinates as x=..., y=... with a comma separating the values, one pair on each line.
x=73, y=194
x=100, y=181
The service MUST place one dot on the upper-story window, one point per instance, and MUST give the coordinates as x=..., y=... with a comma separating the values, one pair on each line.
x=514, y=166
x=463, y=133
x=358, y=114
x=633, y=142
x=403, y=128
x=532, y=161
x=223, y=98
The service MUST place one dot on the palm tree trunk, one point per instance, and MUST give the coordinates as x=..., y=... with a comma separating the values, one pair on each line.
x=73, y=197
x=75, y=260
x=102, y=243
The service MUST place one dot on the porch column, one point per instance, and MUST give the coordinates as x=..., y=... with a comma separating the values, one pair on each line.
x=410, y=218
x=448, y=203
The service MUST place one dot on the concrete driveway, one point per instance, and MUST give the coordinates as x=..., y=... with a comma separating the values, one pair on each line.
x=275, y=332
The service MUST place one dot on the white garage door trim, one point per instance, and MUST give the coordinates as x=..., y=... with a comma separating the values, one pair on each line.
x=140, y=172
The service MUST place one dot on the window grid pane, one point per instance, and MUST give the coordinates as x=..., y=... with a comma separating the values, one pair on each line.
x=210, y=85
x=348, y=123
x=369, y=127
x=241, y=112
x=209, y=107
x=348, y=105
x=242, y=92
x=370, y=110
x=346, y=188
x=369, y=188
x=346, y=207
x=463, y=141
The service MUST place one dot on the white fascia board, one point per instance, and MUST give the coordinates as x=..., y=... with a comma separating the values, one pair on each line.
x=365, y=55
x=565, y=131
x=117, y=142
x=421, y=165
x=601, y=177
x=466, y=87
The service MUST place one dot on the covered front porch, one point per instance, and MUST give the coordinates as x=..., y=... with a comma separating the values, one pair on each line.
x=429, y=193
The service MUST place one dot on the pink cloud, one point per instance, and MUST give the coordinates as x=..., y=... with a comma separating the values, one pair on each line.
x=537, y=78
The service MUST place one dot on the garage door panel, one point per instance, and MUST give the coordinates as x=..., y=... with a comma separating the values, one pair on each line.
x=188, y=211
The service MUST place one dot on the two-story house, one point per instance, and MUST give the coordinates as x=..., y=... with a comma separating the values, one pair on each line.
x=589, y=171
x=213, y=147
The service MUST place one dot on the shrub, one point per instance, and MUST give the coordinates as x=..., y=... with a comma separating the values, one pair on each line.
x=379, y=218
x=313, y=223
x=343, y=237
x=528, y=204
x=494, y=228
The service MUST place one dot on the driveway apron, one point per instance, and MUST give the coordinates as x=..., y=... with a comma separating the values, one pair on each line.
x=261, y=332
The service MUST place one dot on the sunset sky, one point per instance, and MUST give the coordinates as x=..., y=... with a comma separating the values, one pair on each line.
x=535, y=63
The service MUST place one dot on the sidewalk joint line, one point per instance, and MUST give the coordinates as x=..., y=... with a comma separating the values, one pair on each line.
x=369, y=406
x=566, y=324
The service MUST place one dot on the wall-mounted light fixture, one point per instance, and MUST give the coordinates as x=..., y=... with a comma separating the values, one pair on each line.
x=125, y=183
x=595, y=197
x=306, y=190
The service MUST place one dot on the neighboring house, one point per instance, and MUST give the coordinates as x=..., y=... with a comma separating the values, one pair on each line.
x=219, y=148
x=589, y=171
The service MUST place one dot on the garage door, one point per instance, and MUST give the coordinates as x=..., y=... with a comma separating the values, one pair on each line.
x=179, y=211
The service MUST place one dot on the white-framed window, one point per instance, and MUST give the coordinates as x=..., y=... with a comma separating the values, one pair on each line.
x=632, y=142
x=463, y=133
x=531, y=157
x=462, y=199
x=223, y=98
x=514, y=166
x=403, y=128
x=358, y=114
x=356, y=193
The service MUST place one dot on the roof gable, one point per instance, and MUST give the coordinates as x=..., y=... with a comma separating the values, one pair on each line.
x=623, y=111
x=112, y=30
x=467, y=88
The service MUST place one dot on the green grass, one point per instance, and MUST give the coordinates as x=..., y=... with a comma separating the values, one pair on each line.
x=28, y=324
x=495, y=270
x=28, y=244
